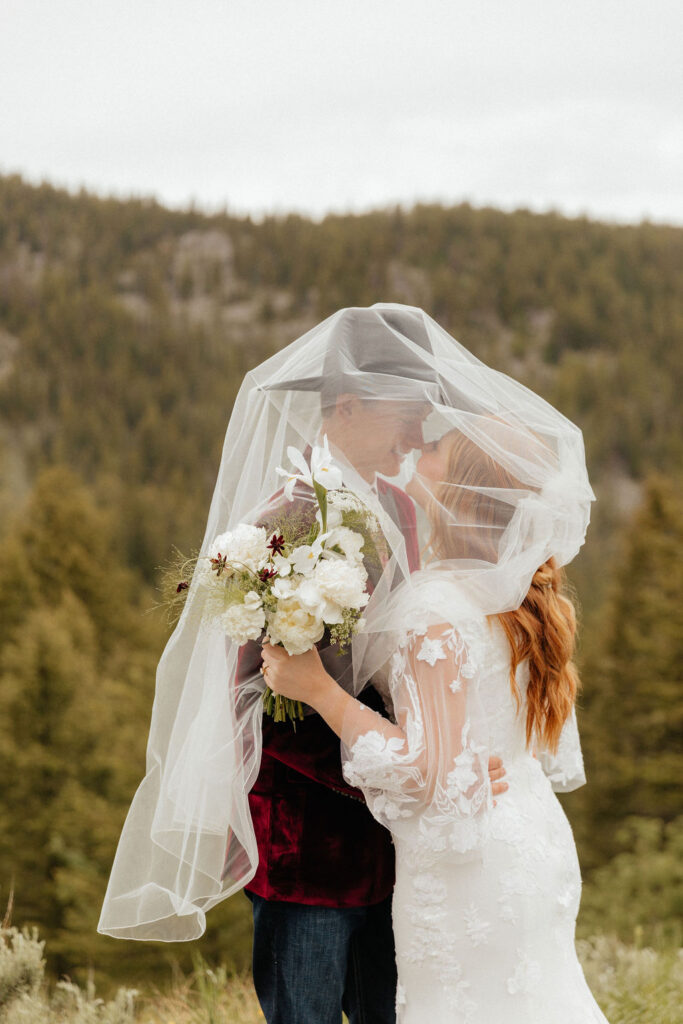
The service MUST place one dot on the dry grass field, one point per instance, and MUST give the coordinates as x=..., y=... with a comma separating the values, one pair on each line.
x=633, y=985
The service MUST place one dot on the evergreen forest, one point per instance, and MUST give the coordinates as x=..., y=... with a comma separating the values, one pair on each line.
x=125, y=331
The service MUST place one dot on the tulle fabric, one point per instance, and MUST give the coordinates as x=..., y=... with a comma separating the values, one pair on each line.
x=188, y=840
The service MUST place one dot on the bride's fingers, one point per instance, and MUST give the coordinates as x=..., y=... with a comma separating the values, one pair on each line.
x=499, y=787
x=497, y=773
x=271, y=681
x=272, y=655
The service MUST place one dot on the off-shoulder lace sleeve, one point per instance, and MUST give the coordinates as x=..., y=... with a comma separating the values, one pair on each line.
x=565, y=768
x=430, y=769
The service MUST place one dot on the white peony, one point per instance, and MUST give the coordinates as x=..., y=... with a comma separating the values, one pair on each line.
x=245, y=545
x=341, y=582
x=245, y=621
x=333, y=585
x=294, y=627
x=311, y=597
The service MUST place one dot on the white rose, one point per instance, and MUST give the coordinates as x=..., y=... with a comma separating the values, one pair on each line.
x=341, y=582
x=245, y=545
x=350, y=541
x=294, y=627
x=245, y=621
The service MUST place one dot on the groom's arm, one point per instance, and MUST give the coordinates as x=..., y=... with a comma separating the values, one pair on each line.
x=313, y=750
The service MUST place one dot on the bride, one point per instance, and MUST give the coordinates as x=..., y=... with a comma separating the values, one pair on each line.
x=486, y=892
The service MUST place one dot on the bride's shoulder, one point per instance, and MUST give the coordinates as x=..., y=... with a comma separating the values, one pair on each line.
x=428, y=586
x=433, y=602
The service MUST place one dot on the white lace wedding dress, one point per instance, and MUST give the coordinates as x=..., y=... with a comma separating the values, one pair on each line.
x=486, y=896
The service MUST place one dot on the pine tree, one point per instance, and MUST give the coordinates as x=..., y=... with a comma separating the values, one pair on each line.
x=635, y=721
x=77, y=667
x=76, y=673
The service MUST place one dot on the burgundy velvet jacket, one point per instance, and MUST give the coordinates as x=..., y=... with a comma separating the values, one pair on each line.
x=317, y=841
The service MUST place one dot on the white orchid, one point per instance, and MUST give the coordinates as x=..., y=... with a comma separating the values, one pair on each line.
x=322, y=470
x=305, y=558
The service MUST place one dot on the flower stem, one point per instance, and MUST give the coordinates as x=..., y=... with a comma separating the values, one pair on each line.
x=321, y=495
x=281, y=709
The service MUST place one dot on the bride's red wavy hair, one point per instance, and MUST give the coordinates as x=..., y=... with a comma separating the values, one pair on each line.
x=543, y=628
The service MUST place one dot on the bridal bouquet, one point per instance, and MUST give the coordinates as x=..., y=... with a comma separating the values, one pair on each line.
x=297, y=578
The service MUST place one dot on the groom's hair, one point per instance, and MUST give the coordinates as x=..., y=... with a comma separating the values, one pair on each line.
x=366, y=345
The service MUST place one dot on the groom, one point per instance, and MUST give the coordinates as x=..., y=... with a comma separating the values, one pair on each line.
x=321, y=896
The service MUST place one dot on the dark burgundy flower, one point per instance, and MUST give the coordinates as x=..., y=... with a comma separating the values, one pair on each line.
x=218, y=563
x=181, y=586
x=276, y=544
x=266, y=574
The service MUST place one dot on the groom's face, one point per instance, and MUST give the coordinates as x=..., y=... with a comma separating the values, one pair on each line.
x=376, y=435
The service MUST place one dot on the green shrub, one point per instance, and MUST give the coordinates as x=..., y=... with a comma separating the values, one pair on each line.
x=638, y=895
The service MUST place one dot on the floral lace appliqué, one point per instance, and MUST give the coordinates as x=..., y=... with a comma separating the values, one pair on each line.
x=526, y=977
x=432, y=946
x=462, y=642
x=431, y=651
x=565, y=768
x=477, y=928
x=370, y=755
x=506, y=911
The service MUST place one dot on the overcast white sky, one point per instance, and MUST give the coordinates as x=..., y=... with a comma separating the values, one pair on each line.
x=312, y=105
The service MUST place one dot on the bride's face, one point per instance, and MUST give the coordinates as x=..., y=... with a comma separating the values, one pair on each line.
x=430, y=469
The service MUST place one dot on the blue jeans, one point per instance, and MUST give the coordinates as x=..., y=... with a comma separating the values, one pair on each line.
x=311, y=962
